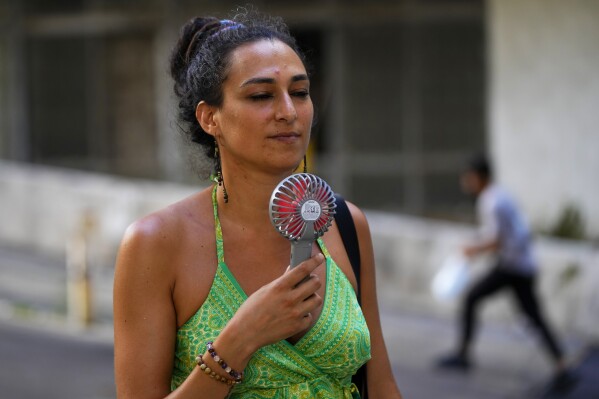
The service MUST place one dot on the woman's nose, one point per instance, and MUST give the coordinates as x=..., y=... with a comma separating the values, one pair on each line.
x=285, y=109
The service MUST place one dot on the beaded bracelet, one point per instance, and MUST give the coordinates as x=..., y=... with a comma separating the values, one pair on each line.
x=238, y=377
x=212, y=374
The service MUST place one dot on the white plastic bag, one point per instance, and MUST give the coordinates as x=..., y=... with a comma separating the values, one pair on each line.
x=452, y=278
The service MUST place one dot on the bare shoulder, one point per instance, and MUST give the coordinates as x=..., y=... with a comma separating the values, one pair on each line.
x=364, y=240
x=154, y=241
x=360, y=220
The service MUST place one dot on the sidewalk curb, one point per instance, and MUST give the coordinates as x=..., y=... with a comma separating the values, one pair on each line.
x=54, y=323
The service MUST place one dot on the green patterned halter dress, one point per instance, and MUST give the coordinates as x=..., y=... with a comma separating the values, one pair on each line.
x=320, y=365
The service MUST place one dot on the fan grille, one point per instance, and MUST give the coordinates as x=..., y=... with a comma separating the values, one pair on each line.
x=291, y=195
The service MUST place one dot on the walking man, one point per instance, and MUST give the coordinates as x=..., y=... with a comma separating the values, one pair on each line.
x=503, y=232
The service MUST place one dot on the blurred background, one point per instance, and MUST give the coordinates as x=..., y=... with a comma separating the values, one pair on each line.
x=405, y=91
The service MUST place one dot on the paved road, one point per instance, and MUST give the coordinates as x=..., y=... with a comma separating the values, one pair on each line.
x=509, y=363
x=39, y=363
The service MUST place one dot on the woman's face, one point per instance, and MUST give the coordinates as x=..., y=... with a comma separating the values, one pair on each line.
x=265, y=119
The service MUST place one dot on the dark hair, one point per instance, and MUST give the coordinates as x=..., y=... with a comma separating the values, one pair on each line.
x=480, y=165
x=200, y=61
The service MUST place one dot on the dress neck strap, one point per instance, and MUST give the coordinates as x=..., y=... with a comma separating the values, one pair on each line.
x=218, y=230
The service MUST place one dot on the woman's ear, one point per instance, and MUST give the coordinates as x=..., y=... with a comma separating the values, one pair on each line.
x=205, y=116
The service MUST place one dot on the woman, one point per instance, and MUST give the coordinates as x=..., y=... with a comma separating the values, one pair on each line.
x=204, y=302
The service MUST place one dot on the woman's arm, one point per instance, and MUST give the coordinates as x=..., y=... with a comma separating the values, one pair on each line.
x=145, y=319
x=381, y=383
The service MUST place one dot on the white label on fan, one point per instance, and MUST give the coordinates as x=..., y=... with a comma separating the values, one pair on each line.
x=310, y=210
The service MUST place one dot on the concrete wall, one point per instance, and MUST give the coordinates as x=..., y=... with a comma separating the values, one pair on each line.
x=410, y=251
x=42, y=208
x=544, y=97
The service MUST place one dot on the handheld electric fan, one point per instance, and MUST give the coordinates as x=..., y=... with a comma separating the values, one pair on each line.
x=302, y=208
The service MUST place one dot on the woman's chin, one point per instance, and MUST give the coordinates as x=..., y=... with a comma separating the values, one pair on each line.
x=287, y=168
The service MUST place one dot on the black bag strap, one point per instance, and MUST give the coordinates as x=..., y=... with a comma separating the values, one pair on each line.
x=347, y=230
x=349, y=236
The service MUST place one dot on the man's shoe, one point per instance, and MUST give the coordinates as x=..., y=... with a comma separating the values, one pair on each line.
x=561, y=383
x=454, y=362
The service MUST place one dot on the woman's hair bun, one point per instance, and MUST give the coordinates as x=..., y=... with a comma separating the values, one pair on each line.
x=191, y=35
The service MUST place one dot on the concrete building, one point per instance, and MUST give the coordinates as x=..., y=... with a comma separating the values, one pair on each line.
x=399, y=89
x=543, y=62
x=405, y=91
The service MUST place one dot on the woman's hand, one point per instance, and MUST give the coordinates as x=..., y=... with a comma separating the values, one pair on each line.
x=275, y=312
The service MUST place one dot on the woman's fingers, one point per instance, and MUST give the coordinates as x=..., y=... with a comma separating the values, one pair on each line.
x=284, y=307
x=310, y=304
x=309, y=286
x=296, y=275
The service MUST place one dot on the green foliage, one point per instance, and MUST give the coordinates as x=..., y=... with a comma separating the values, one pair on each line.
x=570, y=224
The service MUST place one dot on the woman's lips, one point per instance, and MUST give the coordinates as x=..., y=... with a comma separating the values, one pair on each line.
x=289, y=137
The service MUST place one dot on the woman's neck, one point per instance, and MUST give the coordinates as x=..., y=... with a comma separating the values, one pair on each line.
x=248, y=198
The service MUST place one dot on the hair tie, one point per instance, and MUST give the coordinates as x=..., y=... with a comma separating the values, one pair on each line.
x=224, y=25
x=227, y=24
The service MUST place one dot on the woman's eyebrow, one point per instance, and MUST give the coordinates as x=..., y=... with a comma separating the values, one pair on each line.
x=300, y=77
x=263, y=80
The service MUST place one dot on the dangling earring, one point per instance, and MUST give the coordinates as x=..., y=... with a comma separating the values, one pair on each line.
x=219, y=174
x=305, y=165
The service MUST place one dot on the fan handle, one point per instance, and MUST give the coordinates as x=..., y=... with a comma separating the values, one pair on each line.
x=301, y=249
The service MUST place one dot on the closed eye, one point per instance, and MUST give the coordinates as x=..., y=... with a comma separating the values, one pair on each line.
x=301, y=93
x=261, y=96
